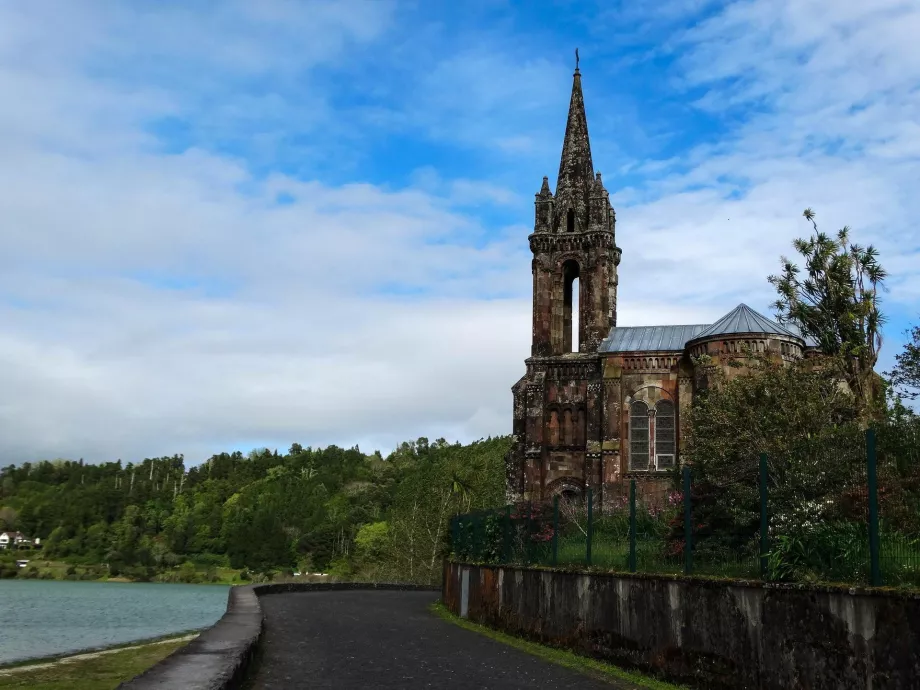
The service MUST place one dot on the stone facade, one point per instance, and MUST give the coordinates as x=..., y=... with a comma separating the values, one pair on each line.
x=611, y=405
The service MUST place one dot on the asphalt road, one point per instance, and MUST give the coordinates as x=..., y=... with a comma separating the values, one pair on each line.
x=389, y=639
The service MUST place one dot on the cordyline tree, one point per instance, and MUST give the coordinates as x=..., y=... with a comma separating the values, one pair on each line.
x=905, y=376
x=835, y=300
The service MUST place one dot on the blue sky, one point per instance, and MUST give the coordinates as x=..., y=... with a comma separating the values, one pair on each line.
x=235, y=224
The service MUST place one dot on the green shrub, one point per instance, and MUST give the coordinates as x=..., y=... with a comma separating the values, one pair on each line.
x=836, y=551
x=340, y=567
x=188, y=573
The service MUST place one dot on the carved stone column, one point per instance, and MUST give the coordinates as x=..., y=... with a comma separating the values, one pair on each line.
x=534, y=442
x=651, y=439
x=593, y=435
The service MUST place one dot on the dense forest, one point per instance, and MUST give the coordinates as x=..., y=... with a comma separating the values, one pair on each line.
x=327, y=510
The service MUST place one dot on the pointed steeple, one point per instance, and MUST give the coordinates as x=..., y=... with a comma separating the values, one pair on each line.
x=576, y=170
x=573, y=237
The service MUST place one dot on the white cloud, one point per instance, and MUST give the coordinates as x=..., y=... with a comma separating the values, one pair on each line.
x=287, y=336
x=98, y=359
x=826, y=96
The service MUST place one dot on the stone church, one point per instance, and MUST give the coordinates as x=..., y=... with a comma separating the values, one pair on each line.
x=608, y=406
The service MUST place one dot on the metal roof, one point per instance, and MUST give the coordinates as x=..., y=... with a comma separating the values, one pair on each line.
x=743, y=319
x=649, y=338
x=810, y=341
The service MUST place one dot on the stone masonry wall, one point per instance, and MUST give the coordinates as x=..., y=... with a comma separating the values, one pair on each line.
x=709, y=634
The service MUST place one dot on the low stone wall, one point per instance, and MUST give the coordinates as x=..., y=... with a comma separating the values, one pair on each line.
x=220, y=657
x=708, y=633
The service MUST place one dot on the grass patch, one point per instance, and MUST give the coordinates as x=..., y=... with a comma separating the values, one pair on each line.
x=592, y=667
x=103, y=670
x=40, y=568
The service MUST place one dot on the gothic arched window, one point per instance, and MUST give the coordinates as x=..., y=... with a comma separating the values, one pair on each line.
x=638, y=436
x=570, y=221
x=665, y=435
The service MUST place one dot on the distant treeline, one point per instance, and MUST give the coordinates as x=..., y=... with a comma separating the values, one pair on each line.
x=314, y=510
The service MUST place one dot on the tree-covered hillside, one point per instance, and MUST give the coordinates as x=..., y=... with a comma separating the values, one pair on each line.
x=315, y=510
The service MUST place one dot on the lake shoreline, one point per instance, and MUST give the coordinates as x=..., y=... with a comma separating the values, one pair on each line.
x=47, y=619
x=41, y=568
x=25, y=664
x=98, y=670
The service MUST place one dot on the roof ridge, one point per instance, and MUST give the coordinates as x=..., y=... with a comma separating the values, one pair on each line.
x=744, y=319
x=670, y=338
x=663, y=325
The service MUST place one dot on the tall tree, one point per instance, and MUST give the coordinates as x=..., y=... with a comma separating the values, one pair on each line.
x=906, y=373
x=260, y=512
x=8, y=517
x=835, y=300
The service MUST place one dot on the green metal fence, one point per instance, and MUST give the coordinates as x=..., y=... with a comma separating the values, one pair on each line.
x=857, y=522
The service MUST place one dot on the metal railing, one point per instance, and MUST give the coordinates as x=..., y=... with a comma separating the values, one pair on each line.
x=863, y=527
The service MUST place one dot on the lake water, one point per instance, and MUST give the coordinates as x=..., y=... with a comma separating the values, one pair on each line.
x=44, y=617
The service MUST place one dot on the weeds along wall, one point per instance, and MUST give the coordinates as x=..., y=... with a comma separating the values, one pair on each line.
x=706, y=633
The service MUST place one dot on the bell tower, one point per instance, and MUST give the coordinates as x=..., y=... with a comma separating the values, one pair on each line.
x=559, y=403
x=573, y=239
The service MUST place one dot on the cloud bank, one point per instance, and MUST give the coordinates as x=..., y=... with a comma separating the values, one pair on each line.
x=280, y=222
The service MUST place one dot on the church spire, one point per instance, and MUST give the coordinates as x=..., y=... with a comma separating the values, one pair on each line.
x=573, y=244
x=576, y=171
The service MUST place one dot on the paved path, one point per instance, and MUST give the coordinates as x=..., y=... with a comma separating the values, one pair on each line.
x=389, y=639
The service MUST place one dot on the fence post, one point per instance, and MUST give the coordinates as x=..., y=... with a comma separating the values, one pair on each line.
x=477, y=539
x=764, y=537
x=590, y=534
x=506, y=536
x=555, y=529
x=688, y=525
x=875, y=571
x=528, y=533
x=632, y=525
x=461, y=538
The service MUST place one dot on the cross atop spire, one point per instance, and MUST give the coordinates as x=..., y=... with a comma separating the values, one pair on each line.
x=576, y=171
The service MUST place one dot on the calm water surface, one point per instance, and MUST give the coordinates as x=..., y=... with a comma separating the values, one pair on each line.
x=43, y=617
